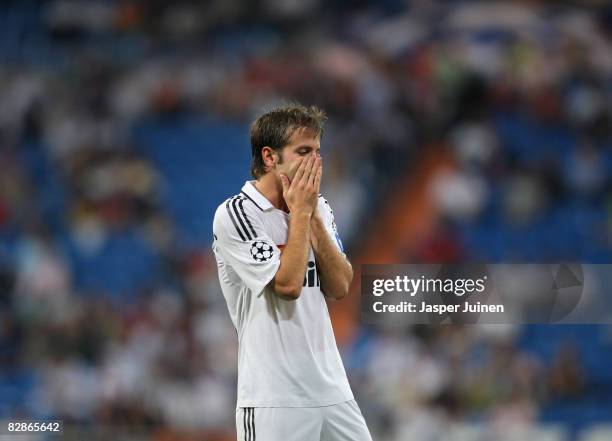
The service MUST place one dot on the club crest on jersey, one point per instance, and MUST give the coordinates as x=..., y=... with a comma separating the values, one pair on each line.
x=261, y=251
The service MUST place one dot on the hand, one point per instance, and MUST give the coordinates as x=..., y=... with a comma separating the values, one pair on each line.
x=302, y=193
x=316, y=213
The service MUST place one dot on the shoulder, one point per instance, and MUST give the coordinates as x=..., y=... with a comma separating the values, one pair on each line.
x=237, y=215
x=239, y=204
x=222, y=213
x=324, y=205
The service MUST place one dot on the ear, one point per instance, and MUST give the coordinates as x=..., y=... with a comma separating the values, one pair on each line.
x=269, y=157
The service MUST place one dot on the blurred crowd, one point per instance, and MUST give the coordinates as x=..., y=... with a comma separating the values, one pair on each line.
x=517, y=93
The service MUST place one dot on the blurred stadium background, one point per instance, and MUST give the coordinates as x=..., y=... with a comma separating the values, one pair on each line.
x=458, y=130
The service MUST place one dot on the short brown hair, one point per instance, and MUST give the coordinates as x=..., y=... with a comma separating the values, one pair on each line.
x=275, y=127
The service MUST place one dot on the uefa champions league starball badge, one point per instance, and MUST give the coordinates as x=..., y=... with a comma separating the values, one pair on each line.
x=261, y=251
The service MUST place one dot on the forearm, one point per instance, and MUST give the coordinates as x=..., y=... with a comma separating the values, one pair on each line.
x=290, y=275
x=335, y=271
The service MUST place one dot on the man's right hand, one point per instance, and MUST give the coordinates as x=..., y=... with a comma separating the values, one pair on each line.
x=302, y=192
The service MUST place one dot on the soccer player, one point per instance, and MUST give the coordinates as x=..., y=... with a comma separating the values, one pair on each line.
x=279, y=257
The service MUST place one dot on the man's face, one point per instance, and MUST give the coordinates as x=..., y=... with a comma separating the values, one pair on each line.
x=302, y=144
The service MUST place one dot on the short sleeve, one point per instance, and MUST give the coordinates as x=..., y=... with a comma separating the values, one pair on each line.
x=241, y=241
x=330, y=224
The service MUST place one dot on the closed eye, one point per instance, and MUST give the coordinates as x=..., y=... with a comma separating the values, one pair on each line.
x=305, y=151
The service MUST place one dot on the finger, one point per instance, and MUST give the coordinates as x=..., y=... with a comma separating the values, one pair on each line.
x=318, y=177
x=285, y=183
x=315, y=168
x=307, y=170
x=300, y=170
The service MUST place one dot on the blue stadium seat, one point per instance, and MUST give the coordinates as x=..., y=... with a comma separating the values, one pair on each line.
x=203, y=162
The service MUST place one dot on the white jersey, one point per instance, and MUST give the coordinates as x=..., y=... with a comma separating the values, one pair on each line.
x=287, y=351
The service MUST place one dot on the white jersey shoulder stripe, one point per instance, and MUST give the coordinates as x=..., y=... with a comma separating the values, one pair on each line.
x=239, y=218
x=246, y=218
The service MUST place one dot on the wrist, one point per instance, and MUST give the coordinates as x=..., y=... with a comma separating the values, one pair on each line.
x=302, y=213
x=316, y=220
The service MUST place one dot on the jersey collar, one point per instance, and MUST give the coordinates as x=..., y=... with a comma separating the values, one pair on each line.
x=256, y=197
